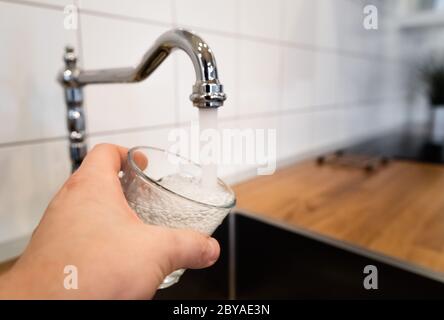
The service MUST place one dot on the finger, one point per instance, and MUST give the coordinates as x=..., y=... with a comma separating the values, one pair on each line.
x=104, y=159
x=190, y=249
x=140, y=159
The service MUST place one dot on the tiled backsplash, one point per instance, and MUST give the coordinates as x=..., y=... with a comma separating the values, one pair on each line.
x=307, y=68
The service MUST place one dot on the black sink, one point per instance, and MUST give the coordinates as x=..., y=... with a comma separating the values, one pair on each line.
x=264, y=260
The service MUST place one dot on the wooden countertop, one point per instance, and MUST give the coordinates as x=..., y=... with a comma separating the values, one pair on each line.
x=397, y=211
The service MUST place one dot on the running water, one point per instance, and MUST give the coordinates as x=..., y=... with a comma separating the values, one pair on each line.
x=207, y=120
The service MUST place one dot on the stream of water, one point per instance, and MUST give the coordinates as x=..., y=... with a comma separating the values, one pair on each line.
x=207, y=120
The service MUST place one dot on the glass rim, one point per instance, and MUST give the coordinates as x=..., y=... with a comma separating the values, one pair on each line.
x=144, y=176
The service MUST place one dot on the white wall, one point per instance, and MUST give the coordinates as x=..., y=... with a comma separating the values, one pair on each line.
x=304, y=67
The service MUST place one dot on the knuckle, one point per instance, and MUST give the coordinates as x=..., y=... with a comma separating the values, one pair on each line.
x=200, y=245
x=203, y=244
x=174, y=249
x=101, y=146
x=74, y=181
x=176, y=240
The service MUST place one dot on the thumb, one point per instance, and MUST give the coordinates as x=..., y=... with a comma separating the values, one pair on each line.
x=190, y=249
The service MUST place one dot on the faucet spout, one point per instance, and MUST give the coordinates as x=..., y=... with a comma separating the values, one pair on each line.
x=207, y=90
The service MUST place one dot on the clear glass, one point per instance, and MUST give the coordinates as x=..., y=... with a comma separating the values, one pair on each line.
x=168, y=192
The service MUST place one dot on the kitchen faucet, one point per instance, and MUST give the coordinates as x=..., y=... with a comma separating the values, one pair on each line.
x=207, y=90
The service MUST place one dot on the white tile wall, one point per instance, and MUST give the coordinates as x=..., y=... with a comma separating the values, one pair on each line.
x=326, y=77
x=260, y=18
x=155, y=10
x=299, y=78
x=304, y=67
x=352, y=71
x=350, y=32
x=356, y=121
x=106, y=44
x=30, y=98
x=199, y=14
x=259, y=79
x=58, y=3
x=300, y=21
x=31, y=175
x=295, y=134
x=155, y=137
x=328, y=127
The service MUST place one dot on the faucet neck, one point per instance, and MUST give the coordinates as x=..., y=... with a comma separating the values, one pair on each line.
x=207, y=90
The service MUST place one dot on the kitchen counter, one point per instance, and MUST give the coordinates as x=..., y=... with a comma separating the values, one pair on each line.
x=397, y=211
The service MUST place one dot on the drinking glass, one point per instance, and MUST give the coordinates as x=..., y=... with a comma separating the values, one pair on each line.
x=169, y=192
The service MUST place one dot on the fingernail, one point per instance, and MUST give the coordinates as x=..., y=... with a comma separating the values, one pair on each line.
x=213, y=249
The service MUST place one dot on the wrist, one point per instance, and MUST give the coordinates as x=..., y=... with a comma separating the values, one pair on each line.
x=22, y=282
x=9, y=287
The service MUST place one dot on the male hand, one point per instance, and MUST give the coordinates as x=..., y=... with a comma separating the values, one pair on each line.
x=89, y=225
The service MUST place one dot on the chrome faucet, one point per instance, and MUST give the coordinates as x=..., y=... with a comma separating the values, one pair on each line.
x=207, y=90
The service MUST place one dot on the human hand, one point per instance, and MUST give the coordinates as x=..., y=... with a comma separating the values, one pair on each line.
x=89, y=225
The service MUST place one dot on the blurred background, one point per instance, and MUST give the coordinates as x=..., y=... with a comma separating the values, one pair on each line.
x=308, y=68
